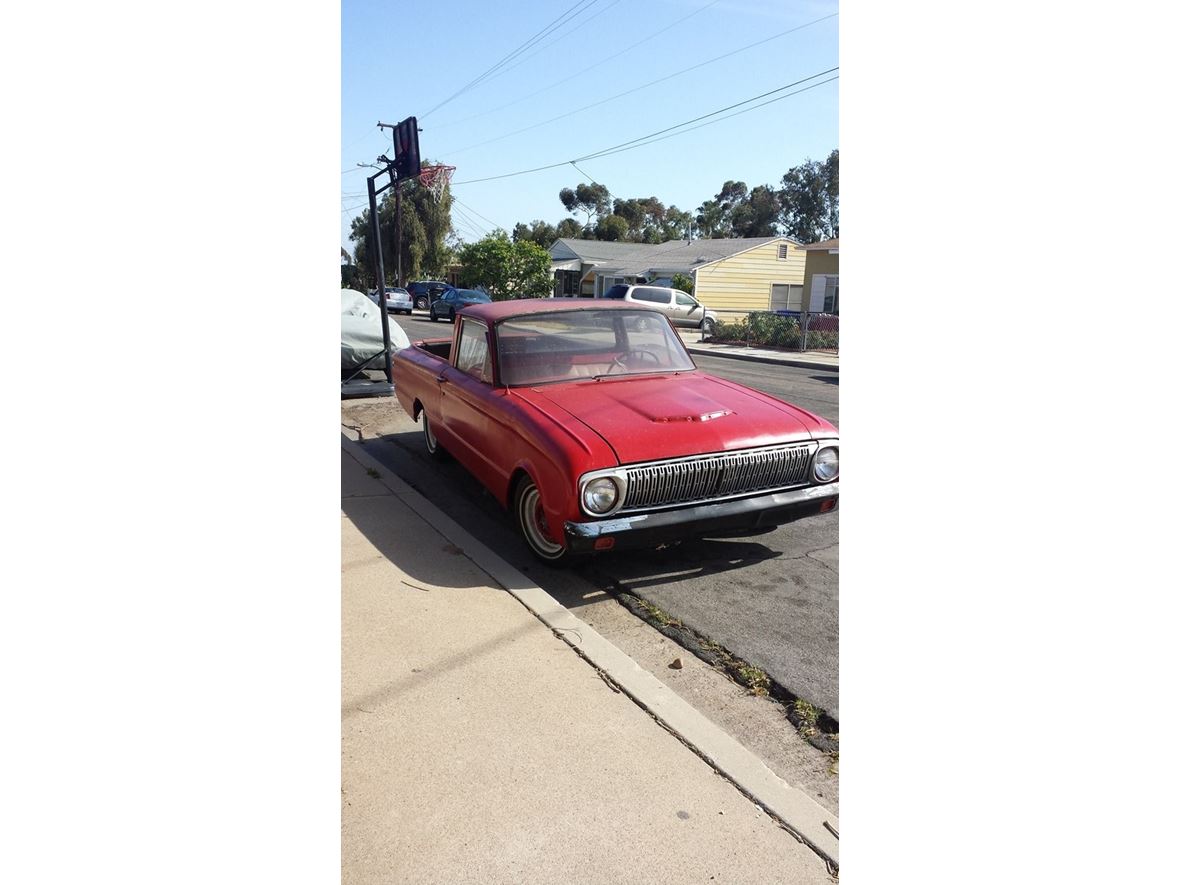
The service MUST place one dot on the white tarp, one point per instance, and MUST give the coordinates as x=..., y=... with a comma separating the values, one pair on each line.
x=360, y=331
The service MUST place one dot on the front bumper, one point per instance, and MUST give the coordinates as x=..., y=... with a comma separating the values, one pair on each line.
x=723, y=517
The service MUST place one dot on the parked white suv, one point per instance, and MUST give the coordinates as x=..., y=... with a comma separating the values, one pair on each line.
x=682, y=309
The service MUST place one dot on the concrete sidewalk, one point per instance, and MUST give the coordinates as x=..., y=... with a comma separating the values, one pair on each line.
x=478, y=746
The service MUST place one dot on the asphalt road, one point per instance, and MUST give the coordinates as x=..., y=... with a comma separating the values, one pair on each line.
x=771, y=599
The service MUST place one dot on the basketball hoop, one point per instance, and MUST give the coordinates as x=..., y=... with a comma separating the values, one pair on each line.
x=435, y=179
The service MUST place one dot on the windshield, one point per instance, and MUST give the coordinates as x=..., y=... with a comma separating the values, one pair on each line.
x=587, y=344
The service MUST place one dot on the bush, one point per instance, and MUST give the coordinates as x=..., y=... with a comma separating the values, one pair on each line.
x=731, y=331
x=772, y=330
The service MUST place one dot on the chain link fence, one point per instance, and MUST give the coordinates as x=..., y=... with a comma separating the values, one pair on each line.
x=784, y=329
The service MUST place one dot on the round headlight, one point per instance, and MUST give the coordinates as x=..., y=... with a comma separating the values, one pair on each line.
x=827, y=464
x=600, y=495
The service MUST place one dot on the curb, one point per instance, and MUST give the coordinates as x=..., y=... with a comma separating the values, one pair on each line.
x=769, y=360
x=726, y=662
x=794, y=810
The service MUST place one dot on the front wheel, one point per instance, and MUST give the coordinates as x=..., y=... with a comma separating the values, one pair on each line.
x=433, y=316
x=530, y=521
x=708, y=328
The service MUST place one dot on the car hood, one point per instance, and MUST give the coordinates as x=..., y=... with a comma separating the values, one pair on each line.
x=648, y=418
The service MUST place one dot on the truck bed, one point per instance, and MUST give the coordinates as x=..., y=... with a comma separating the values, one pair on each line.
x=440, y=349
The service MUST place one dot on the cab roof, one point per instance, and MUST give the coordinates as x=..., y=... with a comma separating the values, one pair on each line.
x=502, y=310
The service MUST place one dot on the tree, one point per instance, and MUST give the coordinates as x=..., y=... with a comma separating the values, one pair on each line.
x=568, y=228
x=675, y=224
x=758, y=214
x=505, y=269
x=810, y=199
x=593, y=199
x=682, y=282
x=613, y=227
x=540, y=232
x=426, y=223
x=715, y=217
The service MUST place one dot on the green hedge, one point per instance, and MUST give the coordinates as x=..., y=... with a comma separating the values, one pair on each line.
x=771, y=330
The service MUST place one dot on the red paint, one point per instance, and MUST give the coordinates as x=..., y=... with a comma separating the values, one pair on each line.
x=556, y=432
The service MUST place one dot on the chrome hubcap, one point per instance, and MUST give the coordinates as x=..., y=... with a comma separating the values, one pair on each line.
x=533, y=521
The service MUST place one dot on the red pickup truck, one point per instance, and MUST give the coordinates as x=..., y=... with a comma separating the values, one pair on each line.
x=591, y=424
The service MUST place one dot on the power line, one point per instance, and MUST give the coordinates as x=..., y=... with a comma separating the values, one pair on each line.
x=584, y=175
x=576, y=8
x=484, y=217
x=584, y=71
x=460, y=217
x=628, y=145
x=641, y=87
x=614, y=149
x=556, y=37
x=718, y=120
x=511, y=174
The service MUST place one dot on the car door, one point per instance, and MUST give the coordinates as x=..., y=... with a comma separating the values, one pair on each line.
x=470, y=407
x=687, y=313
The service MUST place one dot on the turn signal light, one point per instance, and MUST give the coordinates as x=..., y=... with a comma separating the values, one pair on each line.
x=604, y=543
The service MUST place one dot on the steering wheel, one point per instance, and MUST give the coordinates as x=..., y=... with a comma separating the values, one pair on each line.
x=623, y=359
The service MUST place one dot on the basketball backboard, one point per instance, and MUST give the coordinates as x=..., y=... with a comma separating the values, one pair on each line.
x=406, y=159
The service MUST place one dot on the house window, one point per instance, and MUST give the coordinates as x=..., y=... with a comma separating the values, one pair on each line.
x=832, y=295
x=783, y=249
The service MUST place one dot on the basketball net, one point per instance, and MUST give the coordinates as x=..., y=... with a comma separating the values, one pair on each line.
x=435, y=179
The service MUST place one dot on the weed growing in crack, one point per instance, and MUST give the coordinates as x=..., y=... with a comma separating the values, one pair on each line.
x=808, y=715
x=756, y=680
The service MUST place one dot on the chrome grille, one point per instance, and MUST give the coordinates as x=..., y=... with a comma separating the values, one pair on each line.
x=713, y=477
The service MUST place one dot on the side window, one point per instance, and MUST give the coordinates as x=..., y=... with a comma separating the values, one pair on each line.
x=684, y=300
x=473, y=351
x=652, y=295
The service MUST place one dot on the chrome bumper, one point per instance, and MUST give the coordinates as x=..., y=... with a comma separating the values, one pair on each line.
x=650, y=529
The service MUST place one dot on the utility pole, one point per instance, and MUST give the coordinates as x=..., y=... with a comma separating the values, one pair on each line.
x=379, y=258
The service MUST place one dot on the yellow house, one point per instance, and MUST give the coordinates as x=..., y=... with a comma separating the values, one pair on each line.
x=730, y=276
x=821, y=278
x=767, y=275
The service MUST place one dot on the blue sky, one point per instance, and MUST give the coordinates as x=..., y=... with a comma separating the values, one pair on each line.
x=399, y=60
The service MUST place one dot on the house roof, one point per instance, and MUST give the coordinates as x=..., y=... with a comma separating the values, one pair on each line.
x=598, y=251
x=674, y=256
x=825, y=245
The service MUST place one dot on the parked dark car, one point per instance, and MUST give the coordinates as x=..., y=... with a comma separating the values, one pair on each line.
x=425, y=292
x=456, y=299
